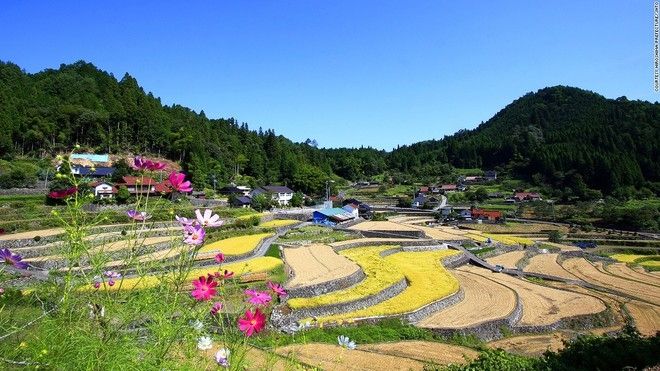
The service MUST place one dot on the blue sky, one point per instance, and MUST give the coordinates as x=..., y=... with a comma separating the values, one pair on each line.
x=346, y=73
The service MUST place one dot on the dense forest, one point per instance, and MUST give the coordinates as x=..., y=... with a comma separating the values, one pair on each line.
x=559, y=136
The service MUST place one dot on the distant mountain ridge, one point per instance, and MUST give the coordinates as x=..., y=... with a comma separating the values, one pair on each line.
x=555, y=133
x=563, y=136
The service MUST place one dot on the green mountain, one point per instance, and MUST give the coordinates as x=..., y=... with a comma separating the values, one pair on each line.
x=560, y=136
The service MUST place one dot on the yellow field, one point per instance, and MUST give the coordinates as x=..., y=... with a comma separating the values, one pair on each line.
x=428, y=282
x=276, y=223
x=256, y=265
x=235, y=245
x=380, y=275
x=508, y=239
x=627, y=258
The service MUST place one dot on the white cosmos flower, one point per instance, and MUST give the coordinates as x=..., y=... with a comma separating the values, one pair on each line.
x=208, y=219
x=344, y=341
x=197, y=325
x=204, y=343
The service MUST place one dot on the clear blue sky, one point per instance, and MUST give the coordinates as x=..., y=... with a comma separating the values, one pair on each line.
x=349, y=72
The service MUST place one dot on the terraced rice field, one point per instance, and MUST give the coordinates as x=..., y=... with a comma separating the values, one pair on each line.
x=254, y=265
x=561, y=246
x=584, y=270
x=380, y=275
x=31, y=234
x=484, y=300
x=377, y=241
x=382, y=226
x=547, y=264
x=508, y=259
x=279, y=223
x=623, y=271
x=544, y=305
x=426, y=351
x=235, y=245
x=508, y=239
x=518, y=228
x=428, y=282
x=646, y=317
x=332, y=357
x=531, y=345
x=441, y=233
x=314, y=264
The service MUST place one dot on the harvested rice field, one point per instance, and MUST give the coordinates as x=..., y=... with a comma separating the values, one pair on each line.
x=314, y=264
x=380, y=275
x=547, y=264
x=507, y=260
x=518, y=228
x=428, y=281
x=381, y=226
x=584, y=270
x=531, y=345
x=645, y=316
x=484, y=300
x=31, y=234
x=377, y=241
x=561, y=246
x=425, y=351
x=334, y=358
x=441, y=233
x=623, y=271
x=544, y=305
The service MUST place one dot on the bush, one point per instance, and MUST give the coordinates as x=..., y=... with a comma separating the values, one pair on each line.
x=555, y=236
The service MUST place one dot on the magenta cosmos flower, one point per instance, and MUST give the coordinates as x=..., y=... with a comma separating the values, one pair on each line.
x=258, y=297
x=63, y=193
x=138, y=215
x=112, y=276
x=221, y=276
x=217, y=307
x=179, y=183
x=141, y=163
x=277, y=288
x=204, y=288
x=219, y=258
x=12, y=259
x=208, y=219
x=193, y=234
x=252, y=322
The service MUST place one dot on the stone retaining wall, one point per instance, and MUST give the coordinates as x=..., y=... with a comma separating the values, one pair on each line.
x=325, y=287
x=394, y=234
x=350, y=306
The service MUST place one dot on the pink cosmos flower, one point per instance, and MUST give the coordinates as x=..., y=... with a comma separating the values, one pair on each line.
x=138, y=215
x=252, y=323
x=184, y=221
x=193, y=234
x=208, y=220
x=217, y=307
x=141, y=163
x=219, y=258
x=204, y=288
x=221, y=276
x=178, y=183
x=277, y=288
x=63, y=193
x=12, y=259
x=258, y=297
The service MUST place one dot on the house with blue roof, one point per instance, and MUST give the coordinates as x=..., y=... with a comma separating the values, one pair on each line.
x=332, y=216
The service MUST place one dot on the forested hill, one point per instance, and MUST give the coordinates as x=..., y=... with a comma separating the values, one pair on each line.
x=49, y=112
x=561, y=136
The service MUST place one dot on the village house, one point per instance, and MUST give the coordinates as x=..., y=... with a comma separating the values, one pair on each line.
x=241, y=201
x=490, y=175
x=92, y=172
x=332, y=216
x=103, y=189
x=448, y=188
x=139, y=185
x=281, y=194
x=485, y=214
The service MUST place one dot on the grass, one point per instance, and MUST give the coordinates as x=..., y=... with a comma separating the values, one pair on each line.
x=315, y=233
x=380, y=275
x=235, y=245
x=427, y=279
x=482, y=251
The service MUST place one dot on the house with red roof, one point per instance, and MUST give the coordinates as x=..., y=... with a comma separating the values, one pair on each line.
x=139, y=185
x=527, y=196
x=485, y=214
